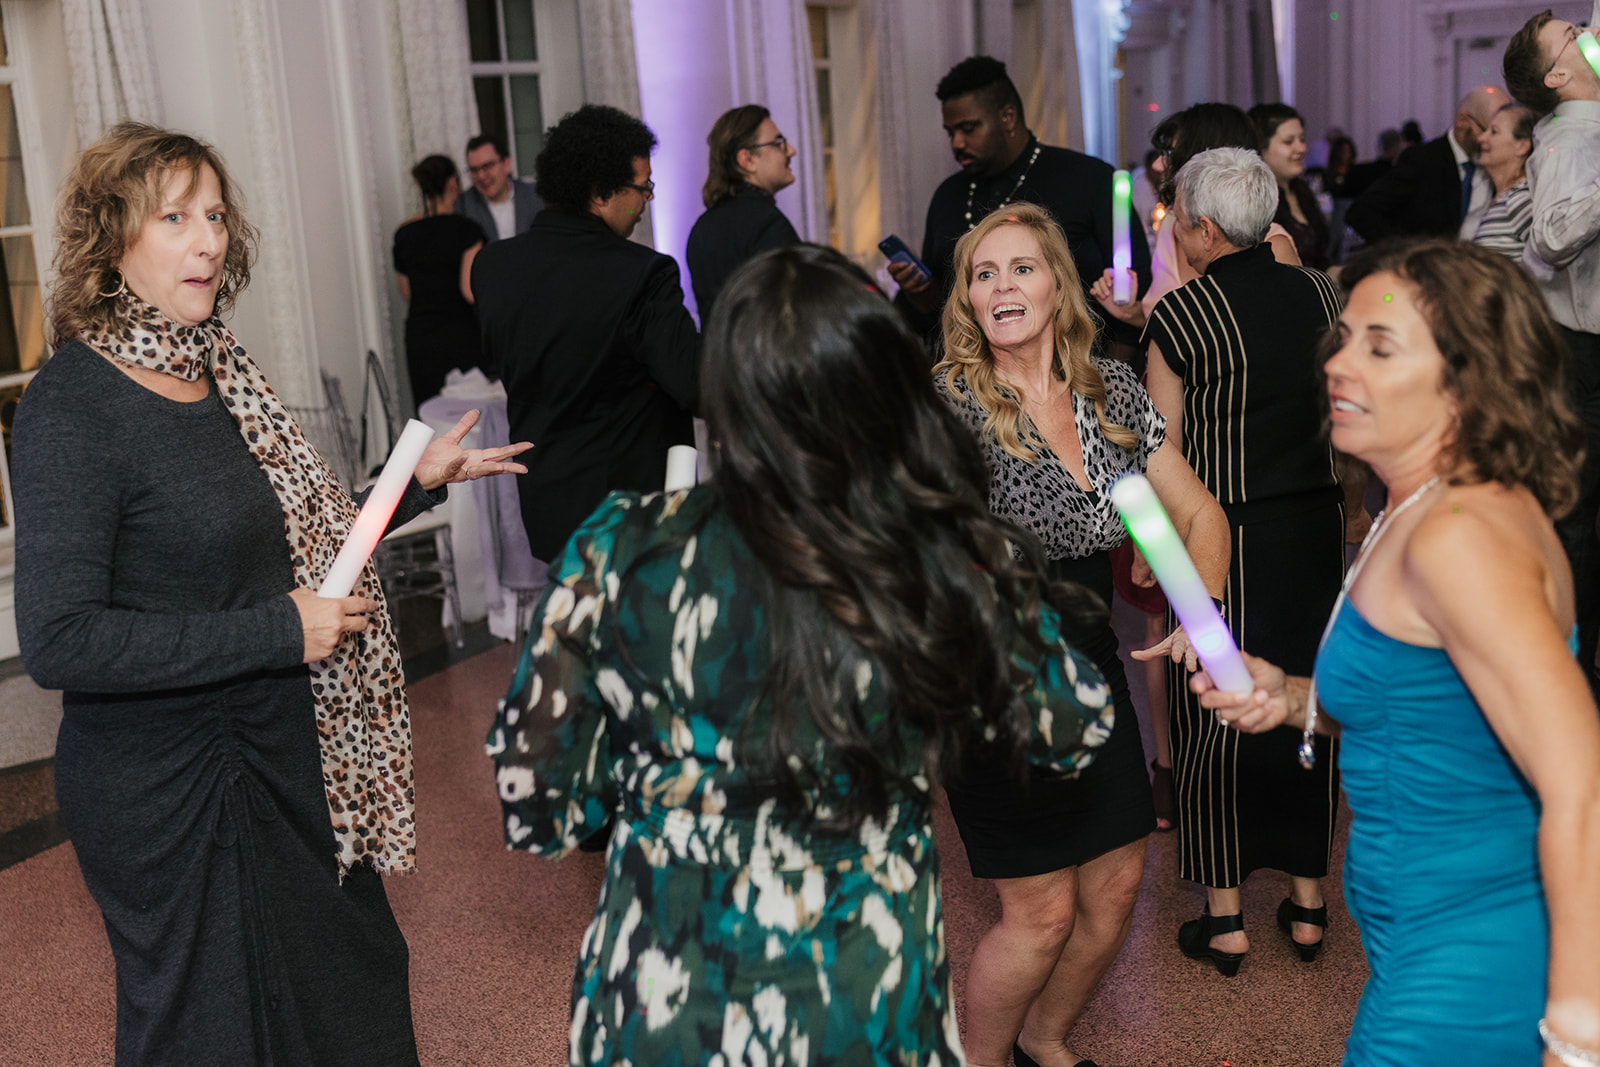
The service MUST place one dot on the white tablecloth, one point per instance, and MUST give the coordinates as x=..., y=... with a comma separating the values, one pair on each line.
x=493, y=561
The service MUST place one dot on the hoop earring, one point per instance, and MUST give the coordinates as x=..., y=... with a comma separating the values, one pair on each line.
x=122, y=287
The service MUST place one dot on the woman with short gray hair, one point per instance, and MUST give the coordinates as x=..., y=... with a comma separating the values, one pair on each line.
x=1233, y=368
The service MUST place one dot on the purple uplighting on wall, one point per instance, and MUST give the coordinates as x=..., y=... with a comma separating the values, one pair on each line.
x=681, y=93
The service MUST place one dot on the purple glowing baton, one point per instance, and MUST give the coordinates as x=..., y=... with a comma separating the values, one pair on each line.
x=1121, y=239
x=1152, y=531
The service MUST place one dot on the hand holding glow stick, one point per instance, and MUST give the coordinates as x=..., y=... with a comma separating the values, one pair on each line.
x=1121, y=237
x=375, y=514
x=1152, y=531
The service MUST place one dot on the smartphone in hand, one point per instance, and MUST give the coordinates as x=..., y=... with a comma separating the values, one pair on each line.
x=897, y=252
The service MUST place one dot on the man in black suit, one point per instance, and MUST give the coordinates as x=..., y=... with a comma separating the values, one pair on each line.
x=600, y=360
x=1422, y=193
x=499, y=203
x=1002, y=162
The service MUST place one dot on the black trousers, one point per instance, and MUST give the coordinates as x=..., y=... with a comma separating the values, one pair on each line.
x=1577, y=528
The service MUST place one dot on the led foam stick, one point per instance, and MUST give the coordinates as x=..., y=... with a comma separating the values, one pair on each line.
x=1152, y=531
x=681, y=460
x=1590, y=49
x=1121, y=240
x=376, y=512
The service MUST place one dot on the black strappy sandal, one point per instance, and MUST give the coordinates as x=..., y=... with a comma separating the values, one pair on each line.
x=1289, y=912
x=1194, y=938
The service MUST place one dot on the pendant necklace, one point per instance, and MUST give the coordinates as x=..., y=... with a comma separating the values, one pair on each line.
x=1308, y=755
x=972, y=189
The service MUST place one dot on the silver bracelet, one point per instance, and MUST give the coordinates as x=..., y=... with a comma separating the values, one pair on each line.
x=1569, y=1054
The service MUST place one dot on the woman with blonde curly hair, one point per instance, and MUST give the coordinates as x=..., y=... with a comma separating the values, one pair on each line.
x=234, y=759
x=1058, y=424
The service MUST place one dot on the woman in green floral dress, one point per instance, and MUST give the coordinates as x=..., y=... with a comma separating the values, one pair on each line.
x=753, y=686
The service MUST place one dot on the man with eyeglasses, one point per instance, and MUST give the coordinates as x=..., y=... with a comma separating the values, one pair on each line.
x=500, y=204
x=1546, y=70
x=749, y=164
x=1434, y=189
x=600, y=359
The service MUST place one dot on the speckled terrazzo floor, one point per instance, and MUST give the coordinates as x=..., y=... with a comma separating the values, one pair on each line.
x=493, y=936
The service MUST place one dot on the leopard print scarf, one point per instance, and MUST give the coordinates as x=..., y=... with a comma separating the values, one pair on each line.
x=362, y=720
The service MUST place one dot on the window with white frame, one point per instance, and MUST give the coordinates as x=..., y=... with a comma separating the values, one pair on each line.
x=525, y=70
x=822, y=64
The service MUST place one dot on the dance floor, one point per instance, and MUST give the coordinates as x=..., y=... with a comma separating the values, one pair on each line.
x=494, y=935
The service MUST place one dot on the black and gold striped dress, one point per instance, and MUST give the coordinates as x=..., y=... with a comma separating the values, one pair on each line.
x=1243, y=338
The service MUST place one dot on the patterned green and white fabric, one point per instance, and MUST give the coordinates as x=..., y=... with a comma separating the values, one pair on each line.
x=729, y=931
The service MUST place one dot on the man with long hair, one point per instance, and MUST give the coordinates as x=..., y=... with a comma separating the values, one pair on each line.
x=749, y=165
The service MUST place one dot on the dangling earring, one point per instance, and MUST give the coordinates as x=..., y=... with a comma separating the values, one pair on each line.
x=122, y=287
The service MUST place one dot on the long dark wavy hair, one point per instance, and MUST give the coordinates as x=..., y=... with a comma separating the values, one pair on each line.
x=865, y=501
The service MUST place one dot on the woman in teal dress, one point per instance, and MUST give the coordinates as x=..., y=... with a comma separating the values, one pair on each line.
x=752, y=687
x=1471, y=746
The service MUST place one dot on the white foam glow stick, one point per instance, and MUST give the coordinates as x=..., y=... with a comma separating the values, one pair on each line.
x=681, y=461
x=374, y=517
x=1121, y=236
x=1153, y=532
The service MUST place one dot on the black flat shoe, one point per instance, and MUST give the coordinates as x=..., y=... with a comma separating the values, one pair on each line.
x=1194, y=938
x=1022, y=1059
x=1290, y=912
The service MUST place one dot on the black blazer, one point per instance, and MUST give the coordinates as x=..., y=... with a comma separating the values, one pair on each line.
x=727, y=235
x=600, y=360
x=1421, y=195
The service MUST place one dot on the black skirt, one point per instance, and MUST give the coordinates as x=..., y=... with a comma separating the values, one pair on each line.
x=1017, y=829
x=1244, y=802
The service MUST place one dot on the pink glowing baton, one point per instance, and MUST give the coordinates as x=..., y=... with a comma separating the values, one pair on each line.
x=1152, y=531
x=375, y=514
x=1121, y=237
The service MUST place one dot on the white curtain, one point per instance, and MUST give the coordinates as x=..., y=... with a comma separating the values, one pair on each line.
x=1098, y=27
x=611, y=70
x=438, y=111
x=108, y=51
x=770, y=59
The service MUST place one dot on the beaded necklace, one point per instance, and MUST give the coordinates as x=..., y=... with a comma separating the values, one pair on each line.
x=1308, y=755
x=972, y=189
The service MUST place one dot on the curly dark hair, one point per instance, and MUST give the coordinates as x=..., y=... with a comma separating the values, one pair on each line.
x=1503, y=361
x=865, y=500
x=589, y=153
x=985, y=76
x=1525, y=66
x=113, y=189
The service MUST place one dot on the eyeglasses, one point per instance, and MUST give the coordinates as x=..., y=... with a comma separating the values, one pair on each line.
x=484, y=168
x=781, y=143
x=1572, y=35
x=648, y=189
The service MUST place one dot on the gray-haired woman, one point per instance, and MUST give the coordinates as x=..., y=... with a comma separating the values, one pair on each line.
x=1233, y=368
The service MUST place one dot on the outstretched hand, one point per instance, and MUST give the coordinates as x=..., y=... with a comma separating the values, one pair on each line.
x=445, y=461
x=1176, y=647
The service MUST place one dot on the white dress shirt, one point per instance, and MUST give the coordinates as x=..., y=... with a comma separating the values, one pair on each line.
x=1564, y=173
x=1482, y=189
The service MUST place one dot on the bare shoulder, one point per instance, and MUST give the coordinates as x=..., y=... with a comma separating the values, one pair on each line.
x=1479, y=538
